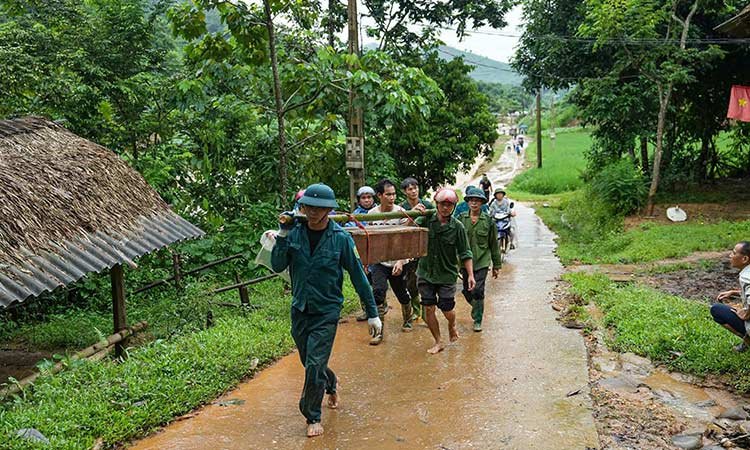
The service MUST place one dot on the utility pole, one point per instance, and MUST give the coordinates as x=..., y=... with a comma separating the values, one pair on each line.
x=355, y=140
x=539, y=128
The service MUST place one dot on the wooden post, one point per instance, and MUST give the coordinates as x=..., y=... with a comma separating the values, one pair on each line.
x=355, y=140
x=118, y=305
x=539, y=128
x=177, y=269
x=244, y=297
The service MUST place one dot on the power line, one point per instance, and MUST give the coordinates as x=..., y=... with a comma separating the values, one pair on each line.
x=579, y=39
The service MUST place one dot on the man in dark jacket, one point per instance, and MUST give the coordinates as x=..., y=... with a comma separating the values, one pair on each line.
x=316, y=252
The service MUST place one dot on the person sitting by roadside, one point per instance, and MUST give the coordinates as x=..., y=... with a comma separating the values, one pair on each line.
x=734, y=319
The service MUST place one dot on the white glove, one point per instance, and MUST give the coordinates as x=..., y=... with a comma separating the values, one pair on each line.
x=376, y=326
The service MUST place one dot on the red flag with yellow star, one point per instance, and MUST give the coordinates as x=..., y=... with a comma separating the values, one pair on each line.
x=739, y=103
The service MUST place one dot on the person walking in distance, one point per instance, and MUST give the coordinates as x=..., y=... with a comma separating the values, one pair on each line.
x=317, y=252
x=447, y=245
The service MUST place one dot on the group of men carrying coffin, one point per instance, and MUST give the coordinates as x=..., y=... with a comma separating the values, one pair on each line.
x=317, y=251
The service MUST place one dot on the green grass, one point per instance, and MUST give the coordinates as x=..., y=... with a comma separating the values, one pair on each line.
x=561, y=168
x=669, y=330
x=638, y=245
x=159, y=381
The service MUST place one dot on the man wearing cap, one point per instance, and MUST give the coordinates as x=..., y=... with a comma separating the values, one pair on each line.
x=447, y=244
x=410, y=188
x=464, y=205
x=316, y=251
x=482, y=235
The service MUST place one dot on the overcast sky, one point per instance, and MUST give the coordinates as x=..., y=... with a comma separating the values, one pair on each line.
x=499, y=48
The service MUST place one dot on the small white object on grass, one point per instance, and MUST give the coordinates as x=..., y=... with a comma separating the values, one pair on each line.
x=676, y=214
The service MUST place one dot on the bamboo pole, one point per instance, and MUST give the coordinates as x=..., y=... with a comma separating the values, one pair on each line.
x=93, y=351
x=364, y=217
x=244, y=283
x=189, y=272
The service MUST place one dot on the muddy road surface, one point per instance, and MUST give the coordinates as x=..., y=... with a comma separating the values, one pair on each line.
x=506, y=387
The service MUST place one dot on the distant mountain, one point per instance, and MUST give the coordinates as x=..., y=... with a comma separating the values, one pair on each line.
x=486, y=69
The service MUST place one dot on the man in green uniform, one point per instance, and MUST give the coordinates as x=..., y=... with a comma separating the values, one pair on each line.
x=410, y=188
x=482, y=235
x=437, y=273
x=315, y=252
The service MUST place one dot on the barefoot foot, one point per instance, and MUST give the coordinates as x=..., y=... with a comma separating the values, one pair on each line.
x=437, y=348
x=314, y=429
x=333, y=400
x=453, y=334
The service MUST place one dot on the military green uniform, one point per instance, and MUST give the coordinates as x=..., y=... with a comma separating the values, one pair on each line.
x=317, y=298
x=410, y=269
x=484, y=248
x=437, y=272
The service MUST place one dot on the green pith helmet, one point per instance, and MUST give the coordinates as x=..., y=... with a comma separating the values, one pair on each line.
x=475, y=193
x=499, y=190
x=319, y=195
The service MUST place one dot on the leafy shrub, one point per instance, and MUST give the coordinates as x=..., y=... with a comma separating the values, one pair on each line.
x=621, y=185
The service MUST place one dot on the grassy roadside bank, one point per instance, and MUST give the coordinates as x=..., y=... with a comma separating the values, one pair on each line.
x=668, y=329
x=113, y=402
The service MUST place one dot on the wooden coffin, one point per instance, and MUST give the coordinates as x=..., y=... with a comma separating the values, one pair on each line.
x=389, y=242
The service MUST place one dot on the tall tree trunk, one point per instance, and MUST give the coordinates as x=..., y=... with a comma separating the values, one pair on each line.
x=701, y=171
x=539, y=128
x=278, y=97
x=331, y=27
x=665, y=93
x=644, y=155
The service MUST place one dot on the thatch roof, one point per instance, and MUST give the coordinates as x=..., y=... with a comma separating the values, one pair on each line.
x=68, y=207
x=738, y=26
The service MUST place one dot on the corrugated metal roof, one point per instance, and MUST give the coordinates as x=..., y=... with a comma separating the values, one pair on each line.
x=738, y=26
x=91, y=252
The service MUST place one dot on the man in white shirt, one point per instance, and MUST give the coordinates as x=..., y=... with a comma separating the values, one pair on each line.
x=389, y=272
x=736, y=320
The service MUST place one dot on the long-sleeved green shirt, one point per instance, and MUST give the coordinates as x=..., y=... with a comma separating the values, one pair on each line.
x=317, y=279
x=422, y=201
x=482, y=239
x=446, y=246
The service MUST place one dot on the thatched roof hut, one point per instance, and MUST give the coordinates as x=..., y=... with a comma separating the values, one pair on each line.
x=737, y=26
x=69, y=207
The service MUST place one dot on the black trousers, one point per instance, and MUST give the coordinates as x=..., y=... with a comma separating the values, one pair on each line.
x=381, y=278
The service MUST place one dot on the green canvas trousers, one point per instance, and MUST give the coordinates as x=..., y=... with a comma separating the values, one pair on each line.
x=314, y=335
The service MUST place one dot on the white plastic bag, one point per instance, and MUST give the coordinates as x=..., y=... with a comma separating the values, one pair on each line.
x=267, y=241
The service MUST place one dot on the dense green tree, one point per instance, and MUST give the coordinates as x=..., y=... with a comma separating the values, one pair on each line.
x=460, y=129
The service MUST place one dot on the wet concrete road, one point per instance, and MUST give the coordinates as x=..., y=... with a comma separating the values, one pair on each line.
x=503, y=388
